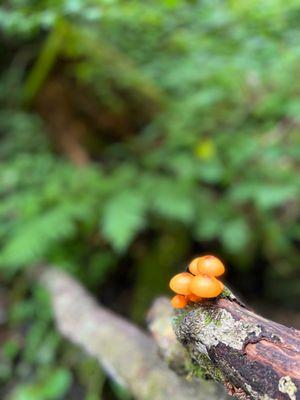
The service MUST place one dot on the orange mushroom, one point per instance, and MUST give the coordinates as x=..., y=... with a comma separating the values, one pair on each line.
x=199, y=283
x=180, y=283
x=193, y=266
x=205, y=286
x=210, y=265
x=179, y=301
x=192, y=297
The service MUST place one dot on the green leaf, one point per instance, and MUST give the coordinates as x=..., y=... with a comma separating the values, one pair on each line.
x=33, y=238
x=208, y=226
x=123, y=218
x=265, y=196
x=170, y=199
x=26, y=392
x=56, y=384
x=271, y=196
x=235, y=235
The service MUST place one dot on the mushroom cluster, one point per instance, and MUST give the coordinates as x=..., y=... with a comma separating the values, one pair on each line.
x=199, y=283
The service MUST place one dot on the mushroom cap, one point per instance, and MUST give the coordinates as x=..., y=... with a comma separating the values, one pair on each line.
x=179, y=301
x=206, y=286
x=193, y=266
x=180, y=283
x=210, y=265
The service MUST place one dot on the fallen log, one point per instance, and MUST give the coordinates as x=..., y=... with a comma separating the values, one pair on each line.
x=253, y=357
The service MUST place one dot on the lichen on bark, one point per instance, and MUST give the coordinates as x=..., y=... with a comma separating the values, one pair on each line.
x=286, y=385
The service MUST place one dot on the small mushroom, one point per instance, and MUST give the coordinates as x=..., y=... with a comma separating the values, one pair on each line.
x=210, y=265
x=179, y=301
x=180, y=283
x=205, y=286
x=193, y=266
x=200, y=283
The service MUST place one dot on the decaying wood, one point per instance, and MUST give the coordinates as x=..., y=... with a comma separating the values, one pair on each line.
x=124, y=351
x=253, y=357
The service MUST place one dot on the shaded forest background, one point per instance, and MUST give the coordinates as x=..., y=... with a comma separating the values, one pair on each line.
x=134, y=136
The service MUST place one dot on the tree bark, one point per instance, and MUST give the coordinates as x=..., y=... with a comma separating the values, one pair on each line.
x=253, y=357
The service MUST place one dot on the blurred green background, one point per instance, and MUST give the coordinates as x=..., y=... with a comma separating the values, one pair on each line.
x=135, y=135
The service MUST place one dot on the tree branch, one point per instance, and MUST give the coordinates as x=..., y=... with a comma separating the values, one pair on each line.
x=253, y=357
x=125, y=352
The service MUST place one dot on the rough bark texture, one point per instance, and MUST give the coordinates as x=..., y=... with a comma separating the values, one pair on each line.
x=253, y=357
x=124, y=351
x=159, y=323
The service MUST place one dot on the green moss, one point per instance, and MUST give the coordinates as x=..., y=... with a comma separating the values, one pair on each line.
x=208, y=318
x=179, y=315
x=226, y=293
x=203, y=368
x=211, y=316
